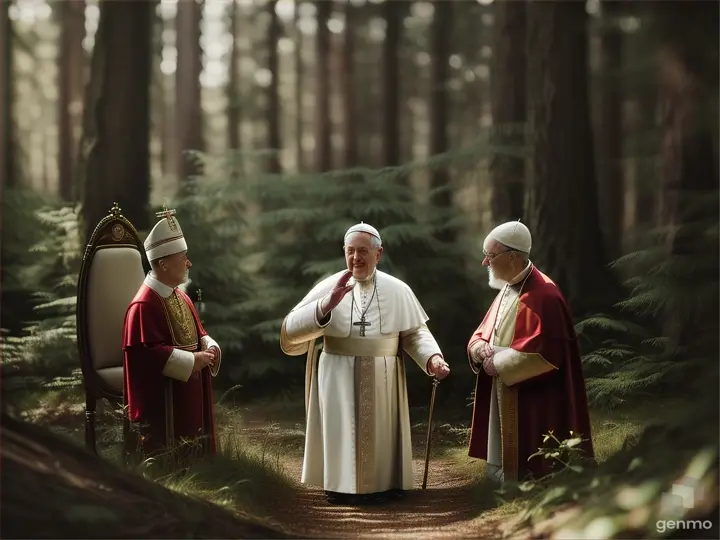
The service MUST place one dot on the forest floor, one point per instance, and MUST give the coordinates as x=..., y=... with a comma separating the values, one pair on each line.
x=458, y=501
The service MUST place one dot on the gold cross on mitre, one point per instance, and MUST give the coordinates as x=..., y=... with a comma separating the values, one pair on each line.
x=168, y=214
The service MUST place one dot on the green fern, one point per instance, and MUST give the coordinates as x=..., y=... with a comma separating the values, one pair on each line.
x=677, y=291
x=45, y=350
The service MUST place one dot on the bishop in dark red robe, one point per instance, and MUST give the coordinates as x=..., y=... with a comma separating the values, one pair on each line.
x=537, y=383
x=162, y=330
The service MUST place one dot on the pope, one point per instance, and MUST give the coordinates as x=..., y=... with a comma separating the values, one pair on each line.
x=357, y=440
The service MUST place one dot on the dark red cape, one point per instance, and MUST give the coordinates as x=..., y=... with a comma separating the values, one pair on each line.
x=556, y=400
x=147, y=343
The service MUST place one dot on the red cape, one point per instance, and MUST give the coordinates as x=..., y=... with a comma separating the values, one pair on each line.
x=556, y=400
x=148, y=343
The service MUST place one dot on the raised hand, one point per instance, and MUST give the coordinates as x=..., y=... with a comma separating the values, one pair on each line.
x=335, y=296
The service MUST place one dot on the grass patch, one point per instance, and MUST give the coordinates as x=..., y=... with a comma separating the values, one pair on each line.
x=245, y=473
x=611, y=432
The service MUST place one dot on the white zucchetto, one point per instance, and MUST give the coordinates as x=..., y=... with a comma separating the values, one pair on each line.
x=364, y=228
x=512, y=234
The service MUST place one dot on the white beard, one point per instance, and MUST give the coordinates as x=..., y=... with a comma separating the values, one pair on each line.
x=186, y=283
x=493, y=282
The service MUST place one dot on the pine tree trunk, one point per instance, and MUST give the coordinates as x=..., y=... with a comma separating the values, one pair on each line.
x=163, y=115
x=689, y=150
x=188, y=93
x=610, y=129
x=8, y=150
x=70, y=86
x=322, y=100
x=348, y=73
x=563, y=213
x=440, y=29
x=299, y=71
x=115, y=159
x=233, y=84
x=688, y=94
x=391, y=82
x=508, y=103
x=273, y=110
x=641, y=168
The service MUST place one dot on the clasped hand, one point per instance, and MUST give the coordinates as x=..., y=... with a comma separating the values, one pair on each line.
x=486, y=354
x=204, y=358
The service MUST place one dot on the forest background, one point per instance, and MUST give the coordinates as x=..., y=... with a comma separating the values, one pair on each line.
x=271, y=126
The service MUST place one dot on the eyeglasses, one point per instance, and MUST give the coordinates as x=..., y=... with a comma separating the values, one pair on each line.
x=491, y=256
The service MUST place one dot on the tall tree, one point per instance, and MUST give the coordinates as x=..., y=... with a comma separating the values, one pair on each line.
x=348, y=84
x=299, y=72
x=688, y=82
x=188, y=92
x=610, y=128
x=273, y=109
x=71, y=72
x=161, y=107
x=233, y=84
x=323, y=126
x=563, y=212
x=115, y=151
x=440, y=29
x=508, y=105
x=8, y=171
x=393, y=12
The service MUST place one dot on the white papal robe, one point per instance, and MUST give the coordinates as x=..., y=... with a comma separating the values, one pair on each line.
x=357, y=437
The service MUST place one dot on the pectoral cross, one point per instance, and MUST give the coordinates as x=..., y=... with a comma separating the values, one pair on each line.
x=362, y=323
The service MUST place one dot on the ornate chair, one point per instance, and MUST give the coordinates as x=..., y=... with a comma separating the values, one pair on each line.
x=111, y=272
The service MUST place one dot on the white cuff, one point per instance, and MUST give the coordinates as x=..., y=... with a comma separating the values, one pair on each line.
x=208, y=342
x=180, y=365
x=515, y=366
x=302, y=325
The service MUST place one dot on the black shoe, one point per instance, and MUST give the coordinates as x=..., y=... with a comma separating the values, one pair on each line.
x=396, y=494
x=333, y=497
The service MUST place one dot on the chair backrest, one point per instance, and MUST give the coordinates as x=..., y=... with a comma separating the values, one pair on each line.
x=110, y=275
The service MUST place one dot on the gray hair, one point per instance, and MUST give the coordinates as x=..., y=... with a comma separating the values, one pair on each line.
x=524, y=255
x=375, y=242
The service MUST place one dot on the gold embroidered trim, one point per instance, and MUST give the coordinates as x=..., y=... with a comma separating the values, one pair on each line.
x=365, y=423
x=180, y=322
x=507, y=400
x=163, y=242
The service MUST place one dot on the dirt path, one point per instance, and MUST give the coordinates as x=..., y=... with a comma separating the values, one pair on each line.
x=451, y=507
x=445, y=510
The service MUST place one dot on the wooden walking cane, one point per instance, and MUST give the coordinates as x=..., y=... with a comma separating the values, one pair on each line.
x=435, y=383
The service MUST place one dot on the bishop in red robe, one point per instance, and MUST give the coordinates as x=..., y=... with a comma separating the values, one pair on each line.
x=169, y=357
x=526, y=357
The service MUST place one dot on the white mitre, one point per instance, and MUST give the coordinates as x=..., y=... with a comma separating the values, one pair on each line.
x=512, y=234
x=166, y=238
x=364, y=228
